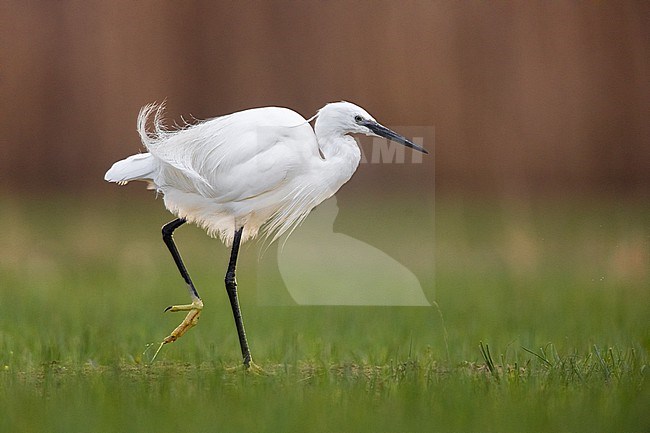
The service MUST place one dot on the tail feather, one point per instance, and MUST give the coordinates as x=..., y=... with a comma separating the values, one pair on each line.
x=135, y=167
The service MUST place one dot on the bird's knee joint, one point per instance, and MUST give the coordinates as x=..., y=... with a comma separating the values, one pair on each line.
x=230, y=280
x=167, y=233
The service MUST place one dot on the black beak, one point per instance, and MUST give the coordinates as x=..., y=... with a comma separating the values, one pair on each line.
x=382, y=131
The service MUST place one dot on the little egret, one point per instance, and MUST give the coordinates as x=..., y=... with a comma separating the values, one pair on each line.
x=258, y=169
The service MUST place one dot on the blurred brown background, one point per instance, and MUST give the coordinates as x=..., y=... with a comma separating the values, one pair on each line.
x=524, y=96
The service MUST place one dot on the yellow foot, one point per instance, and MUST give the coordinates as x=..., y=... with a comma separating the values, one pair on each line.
x=251, y=368
x=255, y=369
x=192, y=318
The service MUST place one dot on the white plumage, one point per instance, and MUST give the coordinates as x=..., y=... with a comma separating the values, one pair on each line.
x=258, y=169
x=263, y=165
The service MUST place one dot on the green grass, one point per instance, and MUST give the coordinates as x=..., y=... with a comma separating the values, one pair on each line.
x=540, y=323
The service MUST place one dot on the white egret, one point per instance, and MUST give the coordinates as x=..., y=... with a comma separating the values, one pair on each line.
x=259, y=169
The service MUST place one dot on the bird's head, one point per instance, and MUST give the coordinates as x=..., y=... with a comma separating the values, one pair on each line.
x=347, y=118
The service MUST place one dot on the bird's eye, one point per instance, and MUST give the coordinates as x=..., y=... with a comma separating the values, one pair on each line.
x=358, y=119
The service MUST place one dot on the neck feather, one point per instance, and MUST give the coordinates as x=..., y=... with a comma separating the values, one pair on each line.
x=341, y=159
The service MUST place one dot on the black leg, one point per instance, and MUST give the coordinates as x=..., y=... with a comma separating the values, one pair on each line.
x=167, y=231
x=231, y=288
x=193, y=309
